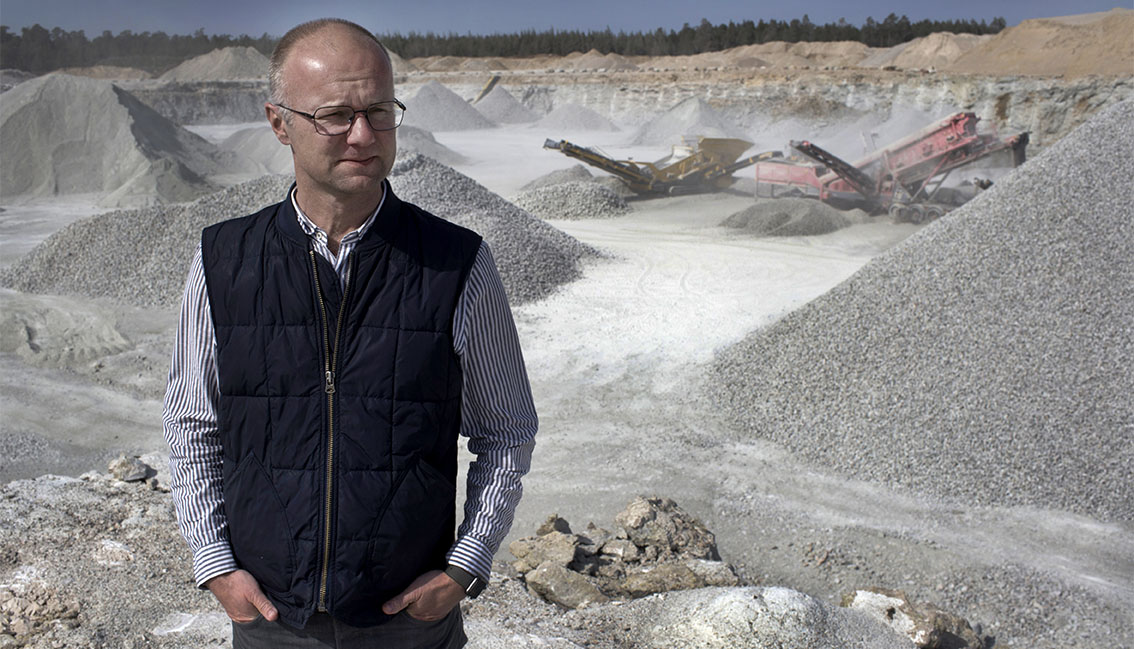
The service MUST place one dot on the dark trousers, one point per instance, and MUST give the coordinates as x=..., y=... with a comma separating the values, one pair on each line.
x=401, y=632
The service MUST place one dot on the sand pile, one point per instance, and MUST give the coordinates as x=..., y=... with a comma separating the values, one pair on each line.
x=479, y=64
x=1099, y=43
x=401, y=66
x=67, y=135
x=837, y=53
x=224, y=64
x=573, y=117
x=594, y=60
x=574, y=200
x=689, y=118
x=533, y=257
x=988, y=359
x=107, y=72
x=791, y=217
x=937, y=51
x=501, y=107
x=436, y=108
x=573, y=173
x=259, y=144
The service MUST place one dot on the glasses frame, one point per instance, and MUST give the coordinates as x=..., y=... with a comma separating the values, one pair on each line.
x=354, y=115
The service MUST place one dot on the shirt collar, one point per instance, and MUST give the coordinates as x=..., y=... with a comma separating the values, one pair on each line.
x=313, y=230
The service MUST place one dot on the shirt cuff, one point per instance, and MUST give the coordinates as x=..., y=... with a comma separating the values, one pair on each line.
x=211, y=561
x=471, y=555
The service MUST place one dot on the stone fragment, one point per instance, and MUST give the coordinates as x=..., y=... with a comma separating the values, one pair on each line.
x=130, y=469
x=564, y=587
x=554, y=547
x=113, y=553
x=621, y=549
x=660, y=523
x=660, y=578
x=713, y=573
x=928, y=626
x=554, y=524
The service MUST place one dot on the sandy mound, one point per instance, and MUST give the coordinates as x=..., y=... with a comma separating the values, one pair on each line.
x=936, y=50
x=593, y=60
x=789, y=217
x=65, y=135
x=224, y=64
x=107, y=72
x=1075, y=45
x=838, y=53
x=401, y=66
x=436, y=108
x=574, y=200
x=574, y=173
x=479, y=64
x=691, y=117
x=573, y=117
x=501, y=107
x=259, y=144
x=55, y=332
x=533, y=257
x=987, y=359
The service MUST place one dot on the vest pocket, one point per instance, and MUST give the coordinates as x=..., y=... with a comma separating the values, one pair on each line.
x=257, y=526
x=406, y=536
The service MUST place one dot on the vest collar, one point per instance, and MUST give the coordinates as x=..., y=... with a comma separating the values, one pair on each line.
x=384, y=228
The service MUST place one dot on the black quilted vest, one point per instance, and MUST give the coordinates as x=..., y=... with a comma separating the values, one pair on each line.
x=338, y=489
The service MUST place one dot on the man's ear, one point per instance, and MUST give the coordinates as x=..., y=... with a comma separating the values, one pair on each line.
x=276, y=120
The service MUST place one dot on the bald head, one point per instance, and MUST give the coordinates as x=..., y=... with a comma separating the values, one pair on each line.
x=330, y=34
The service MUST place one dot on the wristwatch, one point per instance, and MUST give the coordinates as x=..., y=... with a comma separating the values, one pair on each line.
x=472, y=584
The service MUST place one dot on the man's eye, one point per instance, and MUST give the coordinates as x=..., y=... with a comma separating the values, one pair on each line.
x=335, y=116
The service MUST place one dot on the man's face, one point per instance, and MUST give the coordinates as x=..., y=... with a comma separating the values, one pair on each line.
x=336, y=67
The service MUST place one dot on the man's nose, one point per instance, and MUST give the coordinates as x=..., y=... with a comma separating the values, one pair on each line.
x=360, y=131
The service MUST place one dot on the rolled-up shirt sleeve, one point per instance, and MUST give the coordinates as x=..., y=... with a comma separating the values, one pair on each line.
x=497, y=415
x=189, y=423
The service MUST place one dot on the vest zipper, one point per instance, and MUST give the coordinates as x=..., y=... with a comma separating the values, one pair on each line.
x=330, y=365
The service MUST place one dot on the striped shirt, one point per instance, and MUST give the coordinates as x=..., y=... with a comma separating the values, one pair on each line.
x=497, y=413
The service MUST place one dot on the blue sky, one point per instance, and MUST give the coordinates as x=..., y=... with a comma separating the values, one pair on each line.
x=255, y=17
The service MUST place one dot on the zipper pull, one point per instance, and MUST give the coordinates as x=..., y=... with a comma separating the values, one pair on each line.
x=329, y=385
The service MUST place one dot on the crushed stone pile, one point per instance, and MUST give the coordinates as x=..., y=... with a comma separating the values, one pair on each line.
x=67, y=135
x=501, y=107
x=573, y=117
x=139, y=256
x=595, y=60
x=533, y=258
x=937, y=50
x=1098, y=43
x=987, y=359
x=573, y=201
x=413, y=140
x=573, y=173
x=259, y=144
x=436, y=108
x=224, y=64
x=10, y=78
x=694, y=116
x=107, y=72
x=791, y=217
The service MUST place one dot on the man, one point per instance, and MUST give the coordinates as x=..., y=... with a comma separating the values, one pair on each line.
x=330, y=349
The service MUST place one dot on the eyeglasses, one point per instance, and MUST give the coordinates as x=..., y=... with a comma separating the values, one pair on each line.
x=336, y=120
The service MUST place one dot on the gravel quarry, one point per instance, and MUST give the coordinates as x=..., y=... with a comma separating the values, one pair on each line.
x=845, y=401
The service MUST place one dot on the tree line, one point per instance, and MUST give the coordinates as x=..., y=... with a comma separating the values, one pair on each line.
x=36, y=49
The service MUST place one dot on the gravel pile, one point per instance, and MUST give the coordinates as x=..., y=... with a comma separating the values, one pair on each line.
x=575, y=200
x=436, y=108
x=690, y=117
x=573, y=117
x=533, y=257
x=224, y=64
x=575, y=173
x=501, y=107
x=259, y=144
x=136, y=256
x=988, y=359
x=789, y=217
x=141, y=256
x=413, y=140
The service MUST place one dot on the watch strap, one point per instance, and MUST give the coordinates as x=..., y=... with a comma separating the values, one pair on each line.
x=472, y=584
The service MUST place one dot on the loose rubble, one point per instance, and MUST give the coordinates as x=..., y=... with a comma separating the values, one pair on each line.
x=792, y=217
x=988, y=359
x=436, y=108
x=501, y=107
x=573, y=200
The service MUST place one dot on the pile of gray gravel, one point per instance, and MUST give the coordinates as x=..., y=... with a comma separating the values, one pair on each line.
x=691, y=117
x=988, y=359
x=574, y=173
x=436, y=108
x=141, y=256
x=574, y=200
x=573, y=117
x=533, y=258
x=789, y=217
x=501, y=107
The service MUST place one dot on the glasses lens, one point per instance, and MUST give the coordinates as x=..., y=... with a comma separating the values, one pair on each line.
x=384, y=116
x=333, y=120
